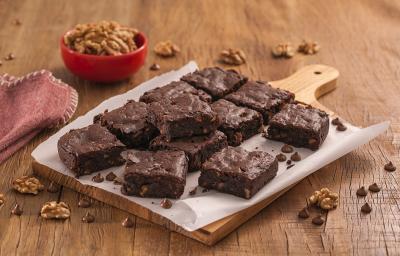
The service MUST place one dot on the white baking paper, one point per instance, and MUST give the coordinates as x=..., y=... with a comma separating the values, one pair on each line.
x=194, y=212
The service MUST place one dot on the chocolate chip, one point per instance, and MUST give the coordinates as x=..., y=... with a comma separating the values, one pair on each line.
x=155, y=67
x=374, y=188
x=366, y=208
x=127, y=223
x=336, y=121
x=193, y=191
x=166, y=203
x=53, y=187
x=281, y=157
x=304, y=213
x=295, y=157
x=111, y=176
x=17, y=210
x=205, y=190
x=362, y=191
x=10, y=56
x=341, y=128
x=289, y=162
x=289, y=166
x=88, y=218
x=84, y=203
x=287, y=148
x=98, y=178
x=390, y=167
x=17, y=22
x=318, y=220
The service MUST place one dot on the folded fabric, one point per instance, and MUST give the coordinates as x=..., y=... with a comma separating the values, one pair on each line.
x=30, y=104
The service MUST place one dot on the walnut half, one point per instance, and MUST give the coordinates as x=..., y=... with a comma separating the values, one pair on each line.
x=166, y=49
x=27, y=185
x=54, y=210
x=325, y=199
x=233, y=56
x=309, y=47
x=283, y=50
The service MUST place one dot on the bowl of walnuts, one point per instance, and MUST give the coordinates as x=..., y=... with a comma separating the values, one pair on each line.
x=104, y=51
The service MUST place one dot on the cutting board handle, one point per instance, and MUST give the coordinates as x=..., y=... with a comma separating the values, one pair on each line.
x=309, y=83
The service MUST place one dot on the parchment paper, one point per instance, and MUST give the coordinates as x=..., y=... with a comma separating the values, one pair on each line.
x=194, y=212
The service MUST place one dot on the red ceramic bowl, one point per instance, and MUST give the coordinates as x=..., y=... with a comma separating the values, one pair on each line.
x=105, y=68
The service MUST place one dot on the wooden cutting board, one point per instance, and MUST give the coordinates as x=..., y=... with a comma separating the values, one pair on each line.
x=308, y=83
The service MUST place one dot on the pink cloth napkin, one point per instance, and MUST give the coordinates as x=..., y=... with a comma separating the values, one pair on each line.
x=28, y=105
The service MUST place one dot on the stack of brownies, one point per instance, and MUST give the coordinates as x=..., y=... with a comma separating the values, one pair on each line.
x=194, y=124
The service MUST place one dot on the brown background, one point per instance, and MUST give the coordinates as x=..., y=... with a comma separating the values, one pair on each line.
x=359, y=38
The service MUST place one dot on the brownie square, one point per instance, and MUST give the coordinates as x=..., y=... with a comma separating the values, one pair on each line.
x=300, y=126
x=183, y=116
x=172, y=90
x=238, y=123
x=129, y=123
x=155, y=174
x=261, y=97
x=90, y=149
x=237, y=171
x=197, y=148
x=215, y=81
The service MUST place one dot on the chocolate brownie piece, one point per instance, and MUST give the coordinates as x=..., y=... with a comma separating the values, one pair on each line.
x=197, y=148
x=300, y=126
x=261, y=97
x=238, y=123
x=237, y=171
x=129, y=124
x=155, y=174
x=172, y=90
x=215, y=81
x=183, y=116
x=90, y=149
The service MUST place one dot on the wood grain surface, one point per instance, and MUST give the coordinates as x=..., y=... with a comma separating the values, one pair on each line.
x=359, y=38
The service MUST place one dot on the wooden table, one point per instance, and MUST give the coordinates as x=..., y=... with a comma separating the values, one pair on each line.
x=359, y=38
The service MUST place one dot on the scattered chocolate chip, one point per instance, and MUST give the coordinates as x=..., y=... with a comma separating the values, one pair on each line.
x=287, y=148
x=366, y=208
x=127, y=223
x=10, y=56
x=336, y=121
x=362, y=191
x=289, y=162
x=17, y=22
x=17, y=210
x=166, y=203
x=155, y=67
x=193, y=191
x=289, y=166
x=256, y=148
x=341, y=127
x=84, y=203
x=281, y=157
x=295, y=157
x=53, y=187
x=205, y=190
x=318, y=220
x=374, y=188
x=304, y=213
x=98, y=178
x=88, y=218
x=111, y=176
x=390, y=167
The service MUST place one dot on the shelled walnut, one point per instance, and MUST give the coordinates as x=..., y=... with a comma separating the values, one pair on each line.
x=233, y=56
x=283, y=50
x=325, y=199
x=103, y=38
x=309, y=47
x=54, y=210
x=166, y=49
x=27, y=185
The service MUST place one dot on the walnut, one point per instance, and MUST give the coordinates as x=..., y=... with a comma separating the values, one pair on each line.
x=325, y=199
x=54, y=210
x=27, y=185
x=308, y=47
x=233, y=56
x=283, y=50
x=2, y=200
x=103, y=38
x=166, y=49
